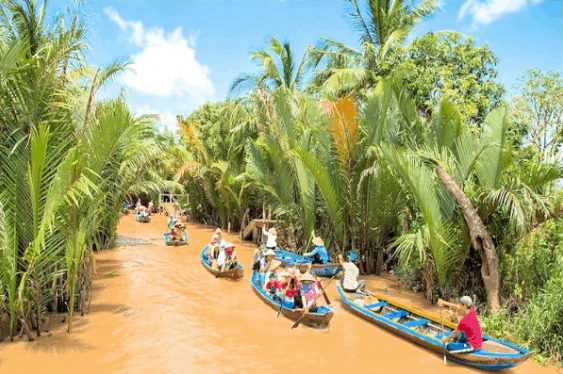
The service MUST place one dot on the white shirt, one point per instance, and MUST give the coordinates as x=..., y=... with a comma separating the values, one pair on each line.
x=351, y=273
x=223, y=258
x=271, y=243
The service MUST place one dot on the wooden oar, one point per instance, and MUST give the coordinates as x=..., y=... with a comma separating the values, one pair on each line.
x=322, y=289
x=443, y=344
x=227, y=265
x=305, y=313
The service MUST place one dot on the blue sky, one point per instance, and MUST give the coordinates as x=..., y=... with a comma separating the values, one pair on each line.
x=189, y=52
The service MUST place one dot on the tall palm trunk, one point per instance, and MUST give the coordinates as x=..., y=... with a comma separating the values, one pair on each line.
x=480, y=239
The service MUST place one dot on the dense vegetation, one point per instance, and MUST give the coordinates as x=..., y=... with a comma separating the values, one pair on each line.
x=67, y=162
x=408, y=155
x=387, y=152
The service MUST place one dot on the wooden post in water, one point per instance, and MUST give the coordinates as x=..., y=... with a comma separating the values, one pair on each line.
x=229, y=225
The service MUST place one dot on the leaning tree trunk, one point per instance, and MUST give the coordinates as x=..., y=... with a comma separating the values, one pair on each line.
x=480, y=239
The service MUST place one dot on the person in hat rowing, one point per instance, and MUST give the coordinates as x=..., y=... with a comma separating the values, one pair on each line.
x=269, y=256
x=217, y=239
x=350, y=282
x=291, y=295
x=319, y=254
x=467, y=335
x=272, y=235
x=227, y=258
x=309, y=289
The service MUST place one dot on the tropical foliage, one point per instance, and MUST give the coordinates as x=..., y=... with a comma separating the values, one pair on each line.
x=66, y=161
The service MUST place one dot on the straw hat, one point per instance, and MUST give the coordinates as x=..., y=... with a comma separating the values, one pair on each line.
x=218, y=231
x=275, y=264
x=466, y=300
x=273, y=231
x=229, y=245
x=307, y=277
x=269, y=252
x=318, y=241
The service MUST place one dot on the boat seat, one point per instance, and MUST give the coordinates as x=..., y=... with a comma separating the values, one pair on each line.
x=376, y=305
x=416, y=323
x=440, y=336
x=397, y=314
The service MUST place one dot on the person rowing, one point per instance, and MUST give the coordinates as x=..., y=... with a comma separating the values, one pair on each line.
x=290, y=294
x=467, y=335
x=350, y=281
x=319, y=254
x=272, y=235
x=227, y=258
x=217, y=239
x=309, y=289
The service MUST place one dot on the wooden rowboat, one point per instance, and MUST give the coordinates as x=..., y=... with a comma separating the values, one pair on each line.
x=234, y=274
x=426, y=330
x=141, y=218
x=326, y=270
x=176, y=243
x=319, y=318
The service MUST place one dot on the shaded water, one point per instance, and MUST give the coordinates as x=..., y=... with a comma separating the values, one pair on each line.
x=155, y=309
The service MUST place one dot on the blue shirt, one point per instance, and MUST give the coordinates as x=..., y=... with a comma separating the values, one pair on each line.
x=321, y=251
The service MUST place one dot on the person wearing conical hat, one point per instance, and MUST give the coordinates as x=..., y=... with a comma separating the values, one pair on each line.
x=319, y=254
x=216, y=238
x=213, y=255
x=272, y=235
x=269, y=256
x=310, y=289
x=227, y=258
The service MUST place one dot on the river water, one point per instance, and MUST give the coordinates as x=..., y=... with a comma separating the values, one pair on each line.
x=155, y=309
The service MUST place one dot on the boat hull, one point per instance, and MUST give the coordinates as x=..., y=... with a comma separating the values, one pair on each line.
x=494, y=355
x=318, y=319
x=233, y=274
x=324, y=270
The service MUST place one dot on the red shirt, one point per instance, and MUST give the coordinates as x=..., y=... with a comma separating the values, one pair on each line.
x=290, y=292
x=274, y=284
x=470, y=326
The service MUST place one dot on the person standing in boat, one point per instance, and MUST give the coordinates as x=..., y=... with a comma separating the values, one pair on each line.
x=350, y=281
x=319, y=254
x=272, y=235
x=227, y=258
x=470, y=338
x=257, y=259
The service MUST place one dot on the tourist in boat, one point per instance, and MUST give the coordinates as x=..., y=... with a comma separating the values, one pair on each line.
x=213, y=255
x=227, y=258
x=350, y=282
x=217, y=238
x=273, y=288
x=258, y=259
x=319, y=254
x=269, y=256
x=290, y=294
x=310, y=289
x=272, y=235
x=467, y=335
x=150, y=207
x=178, y=232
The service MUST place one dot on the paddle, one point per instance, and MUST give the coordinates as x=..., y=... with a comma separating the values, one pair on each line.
x=227, y=266
x=322, y=289
x=443, y=344
x=305, y=313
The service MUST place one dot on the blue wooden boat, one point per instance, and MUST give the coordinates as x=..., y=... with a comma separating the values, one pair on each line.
x=234, y=274
x=427, y=331
x=326, y=270
x=142, y=217
x=319, y=318
x=169, y=241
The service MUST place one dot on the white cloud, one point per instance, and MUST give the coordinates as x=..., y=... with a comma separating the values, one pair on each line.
x=167, y=118
x=485, y=12
x=166, y=65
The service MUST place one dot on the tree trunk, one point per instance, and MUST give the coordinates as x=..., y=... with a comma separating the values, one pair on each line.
x=480, y=239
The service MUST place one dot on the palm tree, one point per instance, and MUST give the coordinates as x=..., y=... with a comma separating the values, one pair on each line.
x=384, y=25
x=275, y=74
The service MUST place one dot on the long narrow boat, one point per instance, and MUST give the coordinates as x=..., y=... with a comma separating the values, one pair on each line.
x=235, y=273
x=319, y=318
x=426, y=330
x=326, y=270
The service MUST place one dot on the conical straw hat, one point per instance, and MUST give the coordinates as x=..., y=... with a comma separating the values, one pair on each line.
x=318, y=241
x=273, y=231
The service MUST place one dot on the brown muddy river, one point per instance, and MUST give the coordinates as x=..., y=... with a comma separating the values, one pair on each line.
x=156, y=309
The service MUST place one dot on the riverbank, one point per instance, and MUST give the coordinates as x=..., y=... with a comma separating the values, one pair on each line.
x=155, y=309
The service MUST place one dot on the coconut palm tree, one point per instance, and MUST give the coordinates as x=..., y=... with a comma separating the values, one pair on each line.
x=382, y=26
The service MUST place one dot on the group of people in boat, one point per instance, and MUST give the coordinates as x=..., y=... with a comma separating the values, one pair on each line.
x=221, y=254
x=176, y=231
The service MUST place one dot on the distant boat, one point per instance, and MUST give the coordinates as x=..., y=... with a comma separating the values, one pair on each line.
x=426, y=330
x=319, y=318
x=169, y=241
x=326, y=270
x=234, y=274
